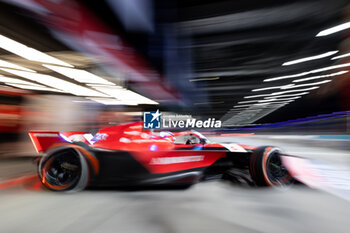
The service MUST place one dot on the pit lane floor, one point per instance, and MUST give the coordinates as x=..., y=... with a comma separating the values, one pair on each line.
x=205, y=207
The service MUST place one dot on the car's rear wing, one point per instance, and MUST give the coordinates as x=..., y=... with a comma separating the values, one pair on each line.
x=42, y=140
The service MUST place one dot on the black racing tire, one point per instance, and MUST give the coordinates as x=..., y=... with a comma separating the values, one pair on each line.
x=64, y=169
x=266, y=168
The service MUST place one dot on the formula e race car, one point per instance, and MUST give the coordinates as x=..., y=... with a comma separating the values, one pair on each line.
x=130, y=156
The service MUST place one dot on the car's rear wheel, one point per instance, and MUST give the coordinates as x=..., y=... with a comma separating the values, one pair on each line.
x=266, y=167
x=64, y=169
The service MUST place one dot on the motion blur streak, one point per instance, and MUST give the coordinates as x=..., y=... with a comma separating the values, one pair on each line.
x=341, y=56
x=310, y=58
x=321, y=76
x=308, y=72
x=79, y=75
x=13, y=66
x=17, y=181
x=28, y=53
x=56, y=83
x=267, y=100
x=334, y=29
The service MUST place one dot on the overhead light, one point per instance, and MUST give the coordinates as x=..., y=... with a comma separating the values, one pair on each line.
x=102, y=85
x=276, y=99
x=56, y=83
x=291, y=91
x=82, y=76
x=335, y=29
x=267, y=100
x=289, y=95
x=256, y=96
x=242, y=106
x=204, y=79
x=329, y=68
x=308, y=72
x=262, y=104
x=286, y=77
x=341, y=56
x=33, y=87
x=14, y=66
x=14, y=80
x=247, y=102
x=307, y=84
x=111, y=101
x=330, y=53
x=251, y=113
x=124, y=95
x=321, y=76
x=267, y=96
x=269, y=88
x=133, y=113
x=274, y=103
x=29, y=53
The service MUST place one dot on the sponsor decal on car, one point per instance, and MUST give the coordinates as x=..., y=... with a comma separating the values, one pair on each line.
x=234, y=147
x=98, y=137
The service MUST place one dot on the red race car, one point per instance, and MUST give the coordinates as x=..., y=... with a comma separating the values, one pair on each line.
x=130, y=156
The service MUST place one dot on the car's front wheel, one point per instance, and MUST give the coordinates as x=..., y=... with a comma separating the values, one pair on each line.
x=266, y=167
